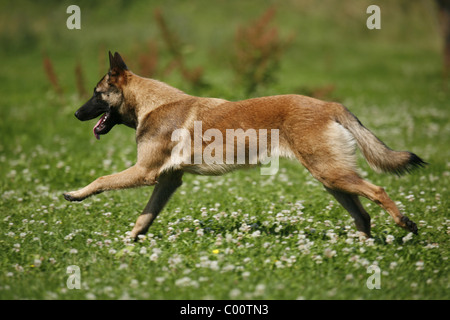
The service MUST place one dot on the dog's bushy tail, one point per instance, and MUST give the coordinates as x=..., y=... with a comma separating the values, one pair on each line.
x=379, y=156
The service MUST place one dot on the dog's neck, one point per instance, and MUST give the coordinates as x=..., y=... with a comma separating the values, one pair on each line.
x=143, y=95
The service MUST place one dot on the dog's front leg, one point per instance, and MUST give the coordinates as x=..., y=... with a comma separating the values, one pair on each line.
x=167, y=184
x=135, y=176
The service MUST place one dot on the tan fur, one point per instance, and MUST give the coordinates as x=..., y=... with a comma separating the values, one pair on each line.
x=321, y=135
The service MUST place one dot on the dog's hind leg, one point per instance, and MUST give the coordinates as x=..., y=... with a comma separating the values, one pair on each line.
x=379, y=196
x=330, y=158
x=167, y=184
x=354, y=185
x=352, y=204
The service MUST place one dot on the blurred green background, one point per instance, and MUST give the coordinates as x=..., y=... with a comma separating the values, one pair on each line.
x=331, y=43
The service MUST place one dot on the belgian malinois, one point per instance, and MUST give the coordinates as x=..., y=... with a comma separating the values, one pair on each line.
x=321, y=135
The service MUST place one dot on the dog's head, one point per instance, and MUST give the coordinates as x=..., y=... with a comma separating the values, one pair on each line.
x=107, y=99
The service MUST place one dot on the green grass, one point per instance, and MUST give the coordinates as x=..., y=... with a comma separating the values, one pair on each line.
x=238, y=236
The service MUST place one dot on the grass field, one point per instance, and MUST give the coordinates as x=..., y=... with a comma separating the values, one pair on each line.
x=241, y=235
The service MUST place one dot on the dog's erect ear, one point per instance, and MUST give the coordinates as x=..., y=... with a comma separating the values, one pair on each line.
x=111, y=59
x=116, y=62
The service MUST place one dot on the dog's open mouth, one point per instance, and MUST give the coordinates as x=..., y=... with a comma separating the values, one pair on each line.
x=103, y=125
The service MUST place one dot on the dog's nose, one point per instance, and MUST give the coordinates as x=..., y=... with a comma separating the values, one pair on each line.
x=77, y=114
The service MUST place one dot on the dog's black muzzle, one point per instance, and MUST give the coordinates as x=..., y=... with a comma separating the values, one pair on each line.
x=92, y=109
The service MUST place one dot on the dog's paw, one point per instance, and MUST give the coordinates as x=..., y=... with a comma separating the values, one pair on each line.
x=410, y=225
x=70, y=196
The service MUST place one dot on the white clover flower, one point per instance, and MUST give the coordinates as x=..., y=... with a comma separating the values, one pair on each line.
x=18, y=267
x=317, y=259
x=329, y=253
x=419, y=265
x=365, y=262
x=280, y=217
x=90, y=296
x=37, y=263
x=214, y=265
x=260, y=289
x=175, y=260
x=134, y=283
x=229, y=237
x=69, y=236
x=256, y=234
x=160, y=279
x=333, y=236
x=228, y=267
x=234, y=293
x=408, y=237
x=186, y=282
x=219, y=240
x=390, y=239
x=154, y=257
x=244, y=227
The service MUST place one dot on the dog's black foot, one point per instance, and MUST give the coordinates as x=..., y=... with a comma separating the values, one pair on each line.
x=410, y=225
x=68, y=197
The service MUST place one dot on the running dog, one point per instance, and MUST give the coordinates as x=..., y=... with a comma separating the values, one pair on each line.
x=321, y=135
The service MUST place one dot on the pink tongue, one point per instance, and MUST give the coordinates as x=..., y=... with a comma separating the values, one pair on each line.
x=98, y=123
